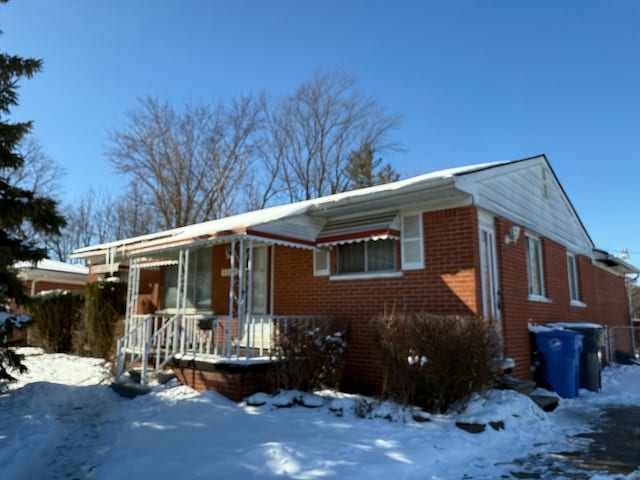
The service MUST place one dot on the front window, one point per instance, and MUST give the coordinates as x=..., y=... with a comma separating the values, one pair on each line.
x=198, y=282
x=534, y=267
x=366, y=257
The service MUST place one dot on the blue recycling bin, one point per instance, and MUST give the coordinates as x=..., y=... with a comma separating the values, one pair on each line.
x=560, y=360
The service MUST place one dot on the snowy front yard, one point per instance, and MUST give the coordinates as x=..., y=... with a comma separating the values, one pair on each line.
x=61, y=420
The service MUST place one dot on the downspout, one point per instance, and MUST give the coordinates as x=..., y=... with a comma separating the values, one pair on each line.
x=629, y=281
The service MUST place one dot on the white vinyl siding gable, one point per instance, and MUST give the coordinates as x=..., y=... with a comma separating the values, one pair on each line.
x=535, y=270
x=412, y=242
x=529, y=194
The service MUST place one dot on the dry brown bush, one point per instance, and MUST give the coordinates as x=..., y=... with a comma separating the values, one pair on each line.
x=437, y=362
x=309, y=354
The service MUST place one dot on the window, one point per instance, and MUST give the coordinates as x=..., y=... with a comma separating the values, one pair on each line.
x=198, y=281
x=412, y=248
x=534, y=267
x=365, y=257
x=321, y=263
x=572, y=270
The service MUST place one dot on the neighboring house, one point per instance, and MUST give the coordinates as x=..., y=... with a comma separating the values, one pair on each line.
x=50, y=274
x=43, y=276
x=499, y=239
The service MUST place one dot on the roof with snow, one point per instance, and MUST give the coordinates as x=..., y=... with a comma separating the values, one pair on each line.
x=53, y=266
x=318, y=207
x=325, y=220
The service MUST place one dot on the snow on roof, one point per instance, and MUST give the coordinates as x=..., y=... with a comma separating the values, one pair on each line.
x=272, y=214
x=53, y=266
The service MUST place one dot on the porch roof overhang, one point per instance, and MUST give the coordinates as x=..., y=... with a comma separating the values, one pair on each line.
x=166, y=248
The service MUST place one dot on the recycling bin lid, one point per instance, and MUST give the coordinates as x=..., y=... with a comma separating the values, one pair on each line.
x=574, y=325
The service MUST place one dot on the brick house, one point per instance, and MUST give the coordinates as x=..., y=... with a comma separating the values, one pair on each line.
x=499, y=239
x=50, y=274
x=43, y=276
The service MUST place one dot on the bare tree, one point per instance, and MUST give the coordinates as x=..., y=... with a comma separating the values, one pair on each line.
x=313, y=132
x=38, y=173
x=188, y=165
x=101, y=216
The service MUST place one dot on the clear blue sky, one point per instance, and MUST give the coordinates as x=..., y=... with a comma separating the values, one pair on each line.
x=475, y=81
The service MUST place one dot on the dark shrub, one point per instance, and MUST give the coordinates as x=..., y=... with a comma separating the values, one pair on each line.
x=105, y=305
x=56, y=316
x=437, y=362
x=309, y=354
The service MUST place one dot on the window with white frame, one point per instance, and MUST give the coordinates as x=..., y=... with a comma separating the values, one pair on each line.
x=367, y=257
x=572, y=270
x=412, y=251
x=535, y=270
x=198, y=281
x=321, y=265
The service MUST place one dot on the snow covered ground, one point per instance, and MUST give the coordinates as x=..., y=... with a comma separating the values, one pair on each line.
x=61, y=420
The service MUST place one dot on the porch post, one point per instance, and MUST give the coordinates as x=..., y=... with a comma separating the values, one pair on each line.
x=133, y=287
x=181, y=293
x=226, y=350
x=247, y=317
x=241, y=295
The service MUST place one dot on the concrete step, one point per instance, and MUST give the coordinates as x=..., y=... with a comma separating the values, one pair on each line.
x=508, y=382
x=129, y=389
x=162, y=377
x=548, y=403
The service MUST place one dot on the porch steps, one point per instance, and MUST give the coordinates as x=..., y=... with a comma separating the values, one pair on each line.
x=128, y=386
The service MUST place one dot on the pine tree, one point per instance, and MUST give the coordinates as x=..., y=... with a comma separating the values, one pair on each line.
x=364, y=170
x=18, y=206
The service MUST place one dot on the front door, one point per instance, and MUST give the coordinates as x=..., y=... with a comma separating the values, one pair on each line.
x=491, y=306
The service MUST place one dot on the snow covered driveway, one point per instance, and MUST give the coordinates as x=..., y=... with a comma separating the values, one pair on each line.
x=61, y=421
x=51, y=423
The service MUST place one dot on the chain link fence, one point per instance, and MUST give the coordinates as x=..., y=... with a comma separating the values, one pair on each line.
x=623, y=344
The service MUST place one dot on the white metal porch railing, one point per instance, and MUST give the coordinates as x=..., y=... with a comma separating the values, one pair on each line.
x=160, y=337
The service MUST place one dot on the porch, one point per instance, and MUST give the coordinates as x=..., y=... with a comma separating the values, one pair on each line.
x=182, y=336
x=156, y=339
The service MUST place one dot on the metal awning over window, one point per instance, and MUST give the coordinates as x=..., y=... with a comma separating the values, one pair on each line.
x=359, y=229
x=153, y=263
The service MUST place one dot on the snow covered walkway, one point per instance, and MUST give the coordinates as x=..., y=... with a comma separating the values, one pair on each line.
x=51, y=424
x=61, y=421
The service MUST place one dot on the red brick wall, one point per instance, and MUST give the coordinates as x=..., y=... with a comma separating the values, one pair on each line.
x=447, y=285
x=601, y=291
x=234, y=382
